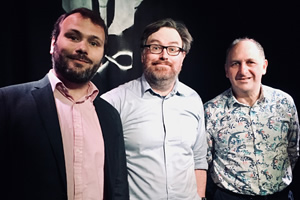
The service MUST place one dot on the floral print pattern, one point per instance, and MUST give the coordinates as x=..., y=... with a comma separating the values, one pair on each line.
x=252, y=150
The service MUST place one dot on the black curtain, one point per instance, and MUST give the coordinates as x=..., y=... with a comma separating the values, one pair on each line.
x=27, y=26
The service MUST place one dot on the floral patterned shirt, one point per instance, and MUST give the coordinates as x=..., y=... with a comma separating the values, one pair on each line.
x=252, y=150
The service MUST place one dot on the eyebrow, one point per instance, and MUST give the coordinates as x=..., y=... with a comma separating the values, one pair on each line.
x=93, y=37
x=155, y=40
x=73, y=30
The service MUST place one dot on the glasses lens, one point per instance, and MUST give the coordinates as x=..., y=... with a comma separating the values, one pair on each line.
x=173, y=51
x=155, y=49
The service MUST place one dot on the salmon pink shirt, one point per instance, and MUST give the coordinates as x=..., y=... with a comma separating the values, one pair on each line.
x=82, y=141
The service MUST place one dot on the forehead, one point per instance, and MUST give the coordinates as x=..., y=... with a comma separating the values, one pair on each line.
x=84, y=25
x=245, y=49
x=165, y=36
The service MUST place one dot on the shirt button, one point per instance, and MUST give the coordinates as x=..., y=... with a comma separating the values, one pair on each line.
x=78, y=151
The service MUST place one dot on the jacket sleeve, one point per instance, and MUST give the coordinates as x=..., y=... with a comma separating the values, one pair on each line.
x=4, y=148
x=116, y=182
x=121, y=189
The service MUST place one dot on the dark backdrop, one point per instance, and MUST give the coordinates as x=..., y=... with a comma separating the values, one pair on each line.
x=27, y=25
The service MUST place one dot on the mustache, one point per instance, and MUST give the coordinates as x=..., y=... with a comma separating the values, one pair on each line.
x=160, y=62
x=81, y=57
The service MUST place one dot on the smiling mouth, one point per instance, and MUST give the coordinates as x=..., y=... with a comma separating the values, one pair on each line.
x=80, y=58
x=243, y=79
x=161, y=65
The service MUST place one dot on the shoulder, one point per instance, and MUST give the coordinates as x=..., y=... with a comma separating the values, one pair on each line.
x=16, y=89
x=219, y=101
x=186, y=90
x=117, y=95
x=24, y=87
x=23, y=90
x=20, y=97
x=122, y=88
x=189, y=99
x=107, y=114
x=189, y=92
x=104, y=106
x=277, y=95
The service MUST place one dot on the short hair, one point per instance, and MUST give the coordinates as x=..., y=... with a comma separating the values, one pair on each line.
x=170, y=23
x=86, y=13
x=238, y=40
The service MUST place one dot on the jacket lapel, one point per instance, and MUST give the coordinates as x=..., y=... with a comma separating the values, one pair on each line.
x=110, y=155
x=45, y=102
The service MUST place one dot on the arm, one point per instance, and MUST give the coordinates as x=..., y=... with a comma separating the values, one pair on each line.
x=122, y=189
x=121, y=183
x=201, y=181
x=209, y=137
x=293, y=136
x=4, y=149
x=115, y=182
x=200, y=152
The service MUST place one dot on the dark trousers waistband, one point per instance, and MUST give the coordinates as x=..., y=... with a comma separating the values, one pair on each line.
x=226, y=194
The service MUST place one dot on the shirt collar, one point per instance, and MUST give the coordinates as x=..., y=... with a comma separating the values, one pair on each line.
x=145, y=87
x=231, y=100
x=59, y=85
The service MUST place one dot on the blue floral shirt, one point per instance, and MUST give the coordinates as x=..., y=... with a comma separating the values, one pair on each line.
x=252, y=150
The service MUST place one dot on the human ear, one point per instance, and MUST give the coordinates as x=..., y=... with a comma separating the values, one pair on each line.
x=265, y=65
x=52, y=46
x=226, y=70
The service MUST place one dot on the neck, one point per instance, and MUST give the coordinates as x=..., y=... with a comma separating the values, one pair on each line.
x=247, y=98
x=163, y=88
x=76, y=90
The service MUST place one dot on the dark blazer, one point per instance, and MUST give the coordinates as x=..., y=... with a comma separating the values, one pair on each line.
x=32, y=157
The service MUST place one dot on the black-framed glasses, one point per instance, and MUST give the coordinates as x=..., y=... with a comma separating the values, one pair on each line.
x=157, y=49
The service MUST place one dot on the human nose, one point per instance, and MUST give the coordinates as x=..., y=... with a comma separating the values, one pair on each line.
x=243, y=68
x=82, y=47
x=164, y=53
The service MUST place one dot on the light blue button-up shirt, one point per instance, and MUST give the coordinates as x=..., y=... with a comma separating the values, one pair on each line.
x=164, y=139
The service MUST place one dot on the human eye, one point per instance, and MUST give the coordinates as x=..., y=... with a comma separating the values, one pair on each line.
x=173, y=49
x=251, y=62
x=95, y=43
x=235, y=64
x=72, y=36
x=155, y=47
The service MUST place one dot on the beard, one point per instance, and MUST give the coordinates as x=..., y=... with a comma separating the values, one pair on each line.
x=79, y=76
x=159, y=76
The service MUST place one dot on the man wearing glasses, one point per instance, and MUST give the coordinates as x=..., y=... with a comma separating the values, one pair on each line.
x=163, y=120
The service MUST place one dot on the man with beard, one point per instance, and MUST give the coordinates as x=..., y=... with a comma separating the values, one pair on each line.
x=163, y=120
x=59, y=140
